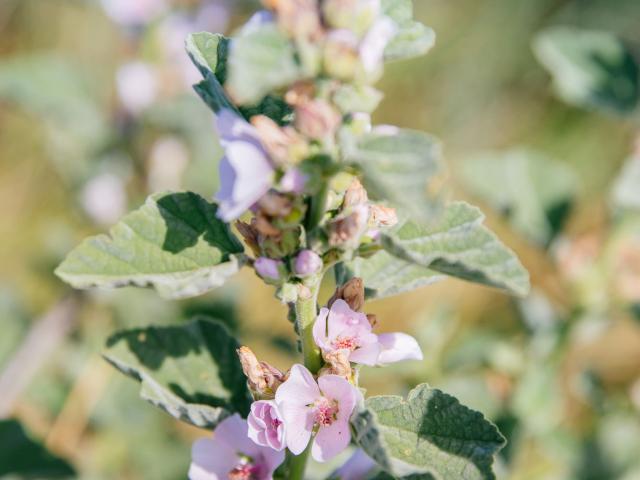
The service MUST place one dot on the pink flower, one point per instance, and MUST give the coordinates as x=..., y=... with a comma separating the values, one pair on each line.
x=246, y=172
x=326, y=406
x=230, y=454
x=266, y=427
x=344, y=329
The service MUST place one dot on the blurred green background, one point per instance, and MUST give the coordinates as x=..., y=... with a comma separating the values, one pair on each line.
x=96, y=112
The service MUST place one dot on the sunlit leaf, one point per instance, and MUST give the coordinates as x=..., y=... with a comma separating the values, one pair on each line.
x=174, y=243
x=192, y=372
x=459, y=245
x=428, y=433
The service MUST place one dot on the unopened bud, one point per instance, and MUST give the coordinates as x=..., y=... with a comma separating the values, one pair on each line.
x=262, y=378
x=355, y=15
x=355, y=195
x=250, y=235
x=283, y=144
x=293, y=181
x=307, y=263
x=347, y=230
x=382, y=216
x=272, y=271
x=351, y=292
x=274, y=204
x=337, y=363
x=317, y=119
x=300, y=93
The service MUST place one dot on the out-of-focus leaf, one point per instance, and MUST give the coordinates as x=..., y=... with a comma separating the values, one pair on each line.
x=397, y=166
x=357, y=98
x=385, y=275
x=209, y=51
x=261, y=60
x=413, y=38
x=212, y=93
x=192, y=372
x=174, y=243
x=54, y=89
x=534, y=192
x=590, y=68
x=428, y=433
x=626, y=190
x=22, y=457
x=458, y=244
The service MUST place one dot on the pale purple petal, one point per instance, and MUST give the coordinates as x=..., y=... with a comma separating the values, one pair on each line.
x=299, y=389
x=374, y=43
x=266, y=426
x=234, y=431
x=368, y=353
x=293, y=181
x=343, y=320
x=271, y=459
x=298, y=421
x=320, y=329
x=357, y=467
x=397, y=347
x=211, y=459
x=333, y=439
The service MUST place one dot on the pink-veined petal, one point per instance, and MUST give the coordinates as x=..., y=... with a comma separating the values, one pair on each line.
x=320, y=329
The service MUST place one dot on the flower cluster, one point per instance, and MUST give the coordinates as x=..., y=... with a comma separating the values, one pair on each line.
x=308, y=209
x=296, y=408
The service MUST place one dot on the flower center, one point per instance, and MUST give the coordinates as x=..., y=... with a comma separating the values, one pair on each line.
x=244, y=472
x=345, y=343
x=325, y=412
x=275, y=423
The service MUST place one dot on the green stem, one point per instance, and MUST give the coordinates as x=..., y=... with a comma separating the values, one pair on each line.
x=317, y=207
x=298, y=463
x=306, y=313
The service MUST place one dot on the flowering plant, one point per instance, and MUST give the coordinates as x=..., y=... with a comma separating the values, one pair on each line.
x=311, y=187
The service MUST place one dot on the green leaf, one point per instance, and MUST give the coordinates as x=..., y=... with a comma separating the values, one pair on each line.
x=385, y=275
x=211, y=92
x=534, y=192
x=397, y=166
x=357, y=98
x=209, y=52
x=458, y=244
x=174, y=243
x=261, y=60
x=413, y=38
x=591, y=69
x=428, y=433
x=192, y=372
x=626, y=190
x=26, y=458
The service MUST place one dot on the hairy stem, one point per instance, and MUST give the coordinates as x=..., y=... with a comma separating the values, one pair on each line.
x=306, y=312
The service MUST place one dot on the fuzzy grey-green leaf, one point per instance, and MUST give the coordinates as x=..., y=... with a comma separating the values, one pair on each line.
x=397, y=166
x=262, y=59
x=429, y=433
x=208, y=51
x=174, y=243
x=590, y=68
x=413, y=38
x=190, y=371
x=459, y=245
x=385, y=275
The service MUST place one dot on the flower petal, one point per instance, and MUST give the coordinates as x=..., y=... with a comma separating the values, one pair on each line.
x=211, y=459
x=397, y=347
x=357, y=467
x=320, y=329
x=331, y=441
x=299, y=389
x=298, y=420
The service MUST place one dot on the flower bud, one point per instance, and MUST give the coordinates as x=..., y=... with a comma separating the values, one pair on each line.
x=355, y=195
x=250, y=235
x=262, y=378
x=307, y=263
x=317, y=119
x=297, y=18
x=351, y=292
x=341, y=55
x=346, y=230
x=272, y=271
x=382, y=216
x=355, y=15
x=275, y=205
x=293, y=181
